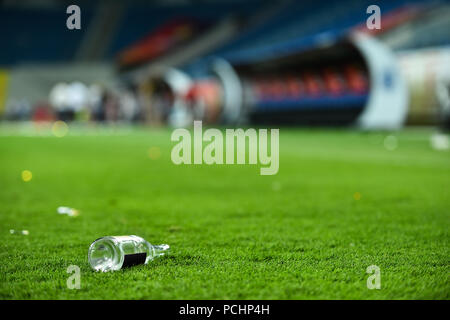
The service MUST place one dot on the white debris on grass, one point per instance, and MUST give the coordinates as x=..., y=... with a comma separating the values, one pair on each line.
x=71, y=212
x=22, y=232
x=440, y=142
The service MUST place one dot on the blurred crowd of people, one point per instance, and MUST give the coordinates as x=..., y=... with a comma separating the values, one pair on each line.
x=78, y=102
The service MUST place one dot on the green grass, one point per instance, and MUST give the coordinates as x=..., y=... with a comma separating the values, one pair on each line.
x=234, y=233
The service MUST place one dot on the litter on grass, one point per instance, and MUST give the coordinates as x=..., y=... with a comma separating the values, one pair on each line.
x=116, y=252
x=440, y=142
x=71, y=212
x=21, y=232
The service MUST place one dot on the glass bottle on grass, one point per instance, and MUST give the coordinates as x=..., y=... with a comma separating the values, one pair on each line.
x=116, y=252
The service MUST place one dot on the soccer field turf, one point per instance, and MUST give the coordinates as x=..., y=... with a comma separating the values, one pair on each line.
x=340, y=203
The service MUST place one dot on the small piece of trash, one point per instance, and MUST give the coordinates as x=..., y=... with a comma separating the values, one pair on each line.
x=22, y=232
x=440, y=142
x=71, y=212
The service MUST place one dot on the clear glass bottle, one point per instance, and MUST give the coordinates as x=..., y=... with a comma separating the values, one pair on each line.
x=116, y=252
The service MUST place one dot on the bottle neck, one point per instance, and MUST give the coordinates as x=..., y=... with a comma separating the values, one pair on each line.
x=160, y=250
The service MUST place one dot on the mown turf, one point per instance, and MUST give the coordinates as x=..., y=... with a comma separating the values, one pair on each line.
x=234, y=233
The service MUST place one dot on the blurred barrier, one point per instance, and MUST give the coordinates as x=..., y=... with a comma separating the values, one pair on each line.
x=4, y=78
x=387, y=107
x=426, y=70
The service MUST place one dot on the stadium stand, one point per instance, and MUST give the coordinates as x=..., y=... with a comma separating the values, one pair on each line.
x=49, y=42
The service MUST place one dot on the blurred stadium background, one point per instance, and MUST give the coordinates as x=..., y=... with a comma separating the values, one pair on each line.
x=371, y=192
x=226, y=63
